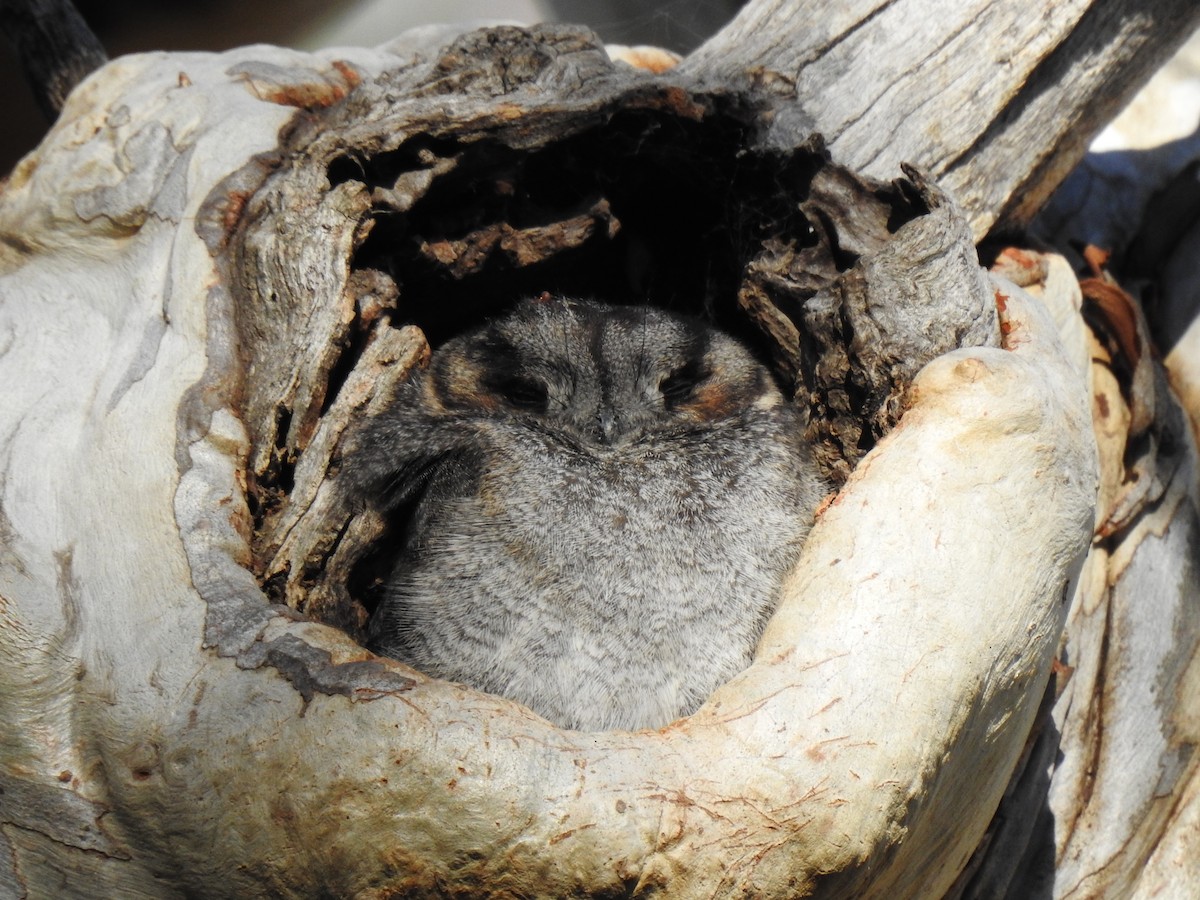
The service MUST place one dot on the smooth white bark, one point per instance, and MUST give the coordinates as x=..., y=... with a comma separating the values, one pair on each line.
x=872, y=738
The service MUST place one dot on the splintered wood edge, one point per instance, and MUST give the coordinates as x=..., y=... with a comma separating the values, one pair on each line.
x=374, y=777
x=836, y=669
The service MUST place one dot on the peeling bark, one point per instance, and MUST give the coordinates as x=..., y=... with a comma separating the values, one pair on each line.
x=262, y=244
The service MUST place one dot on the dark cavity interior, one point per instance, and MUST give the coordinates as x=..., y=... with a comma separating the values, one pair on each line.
x=665, y=199
x=647, y=206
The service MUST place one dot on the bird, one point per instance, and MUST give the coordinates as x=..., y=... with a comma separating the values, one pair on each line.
x=601, y=502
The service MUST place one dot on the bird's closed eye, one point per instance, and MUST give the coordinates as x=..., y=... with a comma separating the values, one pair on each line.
x=680, y=385
x=522, y=393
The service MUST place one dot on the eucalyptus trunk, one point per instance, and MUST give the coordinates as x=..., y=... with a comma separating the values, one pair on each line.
x=216, y=267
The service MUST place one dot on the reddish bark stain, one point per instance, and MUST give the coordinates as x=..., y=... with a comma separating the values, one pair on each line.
x=1119, y=312
x=306, y=96
x=680, y=102
x=1096, y=258
x=348, y=72
x=558, y=838
x=234, y=206
x=1019, y=257
x=650, y=59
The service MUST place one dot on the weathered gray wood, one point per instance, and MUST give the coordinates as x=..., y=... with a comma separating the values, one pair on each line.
x=198, y=310
x=1121, y=809
x=995, y=101
x=1112, y=772
x=1141, y=643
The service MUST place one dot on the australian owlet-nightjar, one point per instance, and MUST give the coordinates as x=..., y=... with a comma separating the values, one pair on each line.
x=604, y=501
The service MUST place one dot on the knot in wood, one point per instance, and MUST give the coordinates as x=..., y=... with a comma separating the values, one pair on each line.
x=504, y=59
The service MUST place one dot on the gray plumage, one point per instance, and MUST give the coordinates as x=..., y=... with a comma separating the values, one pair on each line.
x=605, y=502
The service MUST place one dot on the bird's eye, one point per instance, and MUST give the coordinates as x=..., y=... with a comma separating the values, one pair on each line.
x=679, y=386
x=523, y=393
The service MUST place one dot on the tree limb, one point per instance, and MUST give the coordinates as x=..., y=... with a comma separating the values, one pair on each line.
x=56, y=48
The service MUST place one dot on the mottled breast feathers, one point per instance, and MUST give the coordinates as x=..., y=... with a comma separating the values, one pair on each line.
x=604, y=501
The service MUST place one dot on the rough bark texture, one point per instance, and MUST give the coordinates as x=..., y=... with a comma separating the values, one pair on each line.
x=215, y=266
x=997, y=101
x=428, y=223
